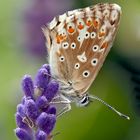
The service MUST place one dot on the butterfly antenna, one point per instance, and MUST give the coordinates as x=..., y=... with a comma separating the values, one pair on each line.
x=109, y=106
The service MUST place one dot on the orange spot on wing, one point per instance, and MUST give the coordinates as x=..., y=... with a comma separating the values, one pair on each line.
x=80, y=26
x=70, y=30
x=64, y=37
x=88, y=23
x=105, y=45
x=96, y=23
x=101, y=34
x=59, y=38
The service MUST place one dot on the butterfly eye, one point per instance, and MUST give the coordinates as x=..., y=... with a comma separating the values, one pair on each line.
x=86, y=73
x=65, y=45
x=70, y=28
x=73, y=45
x=95, y=48
x=80, y=23
x=77, y=66
x=94, y=61
x=89, y=22
x=84, y=101
x=93, y=35
x=87, y=35
x=61, y=58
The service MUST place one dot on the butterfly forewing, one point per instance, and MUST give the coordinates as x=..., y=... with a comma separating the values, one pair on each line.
x=79, y=42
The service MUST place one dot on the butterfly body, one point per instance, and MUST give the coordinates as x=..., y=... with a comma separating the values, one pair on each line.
x=78, y=42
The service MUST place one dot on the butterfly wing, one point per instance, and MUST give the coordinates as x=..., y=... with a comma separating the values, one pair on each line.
x=79, y=41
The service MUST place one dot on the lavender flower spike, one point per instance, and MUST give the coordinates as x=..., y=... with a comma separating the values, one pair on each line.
x=35, y=116
x=27, y=86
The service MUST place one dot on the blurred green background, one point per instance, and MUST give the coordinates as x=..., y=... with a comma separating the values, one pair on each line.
x=112, y=84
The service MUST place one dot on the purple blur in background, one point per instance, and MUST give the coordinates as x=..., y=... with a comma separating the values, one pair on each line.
x=38, y=14
x=35, y=117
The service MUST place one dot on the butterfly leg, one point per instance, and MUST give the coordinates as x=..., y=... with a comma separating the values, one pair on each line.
x=64, y=110
x=60, y=100
x=62, y=104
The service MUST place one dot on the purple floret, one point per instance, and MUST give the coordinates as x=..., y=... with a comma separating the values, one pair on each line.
x=42, y=102
x=21, y=110
x=42, y=78
x=27, y=86
x=46, y=122
x=35, y=116
x=31, y=109
x=51, y=110
x=47, y=67
x=20, y=123
x=51, y=90
x=22, y=134
x=41, y=135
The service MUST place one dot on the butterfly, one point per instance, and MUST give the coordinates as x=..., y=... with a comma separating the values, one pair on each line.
x=78, y=42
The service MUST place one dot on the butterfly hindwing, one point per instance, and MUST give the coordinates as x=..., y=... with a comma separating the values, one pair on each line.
x=79, y=42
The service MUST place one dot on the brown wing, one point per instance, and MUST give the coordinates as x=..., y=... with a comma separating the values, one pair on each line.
x=79, y=42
